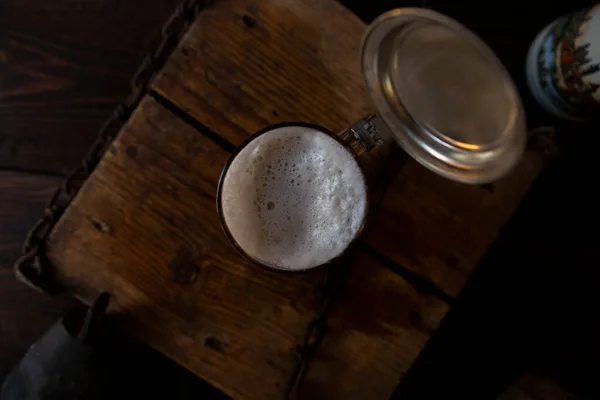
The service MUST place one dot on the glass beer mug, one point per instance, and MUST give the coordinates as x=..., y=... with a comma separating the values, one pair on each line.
x=292, y=197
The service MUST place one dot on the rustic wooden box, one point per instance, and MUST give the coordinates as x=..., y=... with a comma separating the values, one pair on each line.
x=143, y=226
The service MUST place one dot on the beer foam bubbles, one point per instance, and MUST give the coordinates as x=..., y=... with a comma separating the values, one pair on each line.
x=294, y=198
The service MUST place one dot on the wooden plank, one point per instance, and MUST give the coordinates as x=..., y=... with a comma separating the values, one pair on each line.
x=440, y=228
x=144, y=228
x=375, y=332
x=24, y=314
x=246, y=64
x=64, y=67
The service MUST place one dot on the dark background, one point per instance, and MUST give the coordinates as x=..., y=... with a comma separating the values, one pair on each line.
x=532, y=304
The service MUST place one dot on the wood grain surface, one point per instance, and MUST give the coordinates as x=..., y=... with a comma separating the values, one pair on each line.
x=24, y=315
x=440, y=229
x=245, y=65
x=376, y=330
x=64, y=67
x=154, y=241
x=144, y=227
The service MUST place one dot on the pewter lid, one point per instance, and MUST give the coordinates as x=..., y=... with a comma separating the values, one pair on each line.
x=444, y=95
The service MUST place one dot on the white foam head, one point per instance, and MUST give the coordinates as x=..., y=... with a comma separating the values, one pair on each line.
x=294, y=198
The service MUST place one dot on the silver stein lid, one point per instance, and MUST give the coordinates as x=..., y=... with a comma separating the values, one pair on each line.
x=444, y=95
